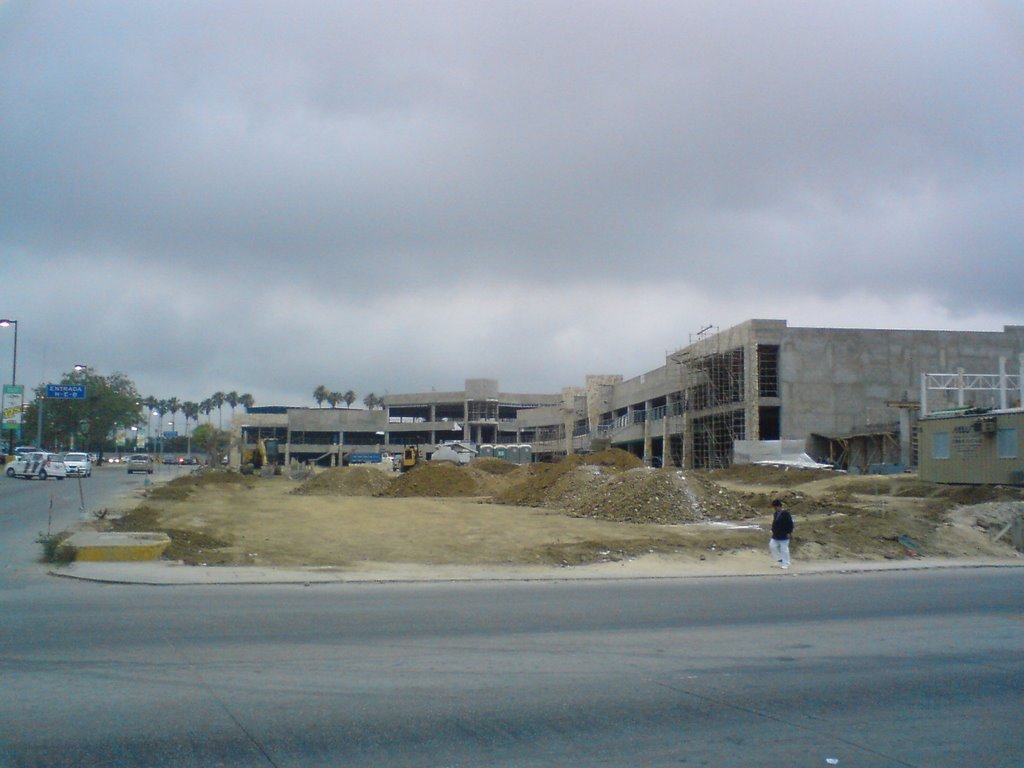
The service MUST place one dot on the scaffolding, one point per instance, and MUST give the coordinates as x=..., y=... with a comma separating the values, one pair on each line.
x=713, y=386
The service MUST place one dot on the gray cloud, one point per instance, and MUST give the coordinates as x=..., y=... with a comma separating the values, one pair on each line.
x=403, y=195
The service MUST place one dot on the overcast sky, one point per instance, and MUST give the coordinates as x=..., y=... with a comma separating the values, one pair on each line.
x=392, y=197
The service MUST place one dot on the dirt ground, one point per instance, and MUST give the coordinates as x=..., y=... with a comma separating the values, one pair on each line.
x=603, y=508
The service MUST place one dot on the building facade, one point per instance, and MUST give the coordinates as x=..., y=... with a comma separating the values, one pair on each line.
x=852, y=396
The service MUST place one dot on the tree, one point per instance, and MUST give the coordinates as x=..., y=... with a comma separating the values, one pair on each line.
x=190, y=410
x=371, y=401
x=231, y=398
x=111, y=402
x=334, y=398
x=212, y=440
x=217, y=398
x=205, y=407
x=320, y=394
x=349, y=398
x=247, y=401
x=173, y=406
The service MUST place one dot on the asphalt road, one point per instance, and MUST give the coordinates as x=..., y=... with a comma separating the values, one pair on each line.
x=896, y=669
x=31, y=507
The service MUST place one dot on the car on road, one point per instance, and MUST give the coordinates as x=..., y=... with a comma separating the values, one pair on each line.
x=40, y=464
x=78, y=464
x=140, y=462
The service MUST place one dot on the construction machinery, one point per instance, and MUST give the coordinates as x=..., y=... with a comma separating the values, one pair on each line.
x=264, y=453
x=410, y=457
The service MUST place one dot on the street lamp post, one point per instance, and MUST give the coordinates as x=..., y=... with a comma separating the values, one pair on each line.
x=7, y=323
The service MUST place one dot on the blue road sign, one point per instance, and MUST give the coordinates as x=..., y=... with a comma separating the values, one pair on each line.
x=65, y=391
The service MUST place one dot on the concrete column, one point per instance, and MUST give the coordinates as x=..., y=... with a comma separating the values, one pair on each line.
x=905, y=456
x=665, y=441
x=647, y=431
x=1002, y=383
x=1020, y=381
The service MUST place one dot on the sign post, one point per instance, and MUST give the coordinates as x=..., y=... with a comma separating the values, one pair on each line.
x=57, y=392
x=13, y=400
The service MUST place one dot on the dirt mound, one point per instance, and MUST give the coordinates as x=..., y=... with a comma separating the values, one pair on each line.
x=980, y=494
x=346, y=481
x=768, y=474
x=435, y=479
x=537, y=485
x=613, y=457
x=492, y=466
x=180, y=488
x=614, y=485
x=638, y=496
x=656, y=496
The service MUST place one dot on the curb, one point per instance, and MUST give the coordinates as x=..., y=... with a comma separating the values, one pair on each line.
x=171, y=574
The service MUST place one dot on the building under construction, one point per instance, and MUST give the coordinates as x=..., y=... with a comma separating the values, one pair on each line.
x=850, y=397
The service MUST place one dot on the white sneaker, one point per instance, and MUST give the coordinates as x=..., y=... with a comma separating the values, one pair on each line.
x=784, y=566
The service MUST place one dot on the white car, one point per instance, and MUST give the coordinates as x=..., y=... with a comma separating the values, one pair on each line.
x=78, y=464
x=39, y=464
x=140, y=462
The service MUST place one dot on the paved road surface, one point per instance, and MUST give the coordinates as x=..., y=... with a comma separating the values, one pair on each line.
x=31, y=507
x=898, y=669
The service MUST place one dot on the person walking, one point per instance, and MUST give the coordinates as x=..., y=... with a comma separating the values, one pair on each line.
x=782, y=527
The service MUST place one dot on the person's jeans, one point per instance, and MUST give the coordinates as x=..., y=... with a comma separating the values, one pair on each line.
x=780, y=551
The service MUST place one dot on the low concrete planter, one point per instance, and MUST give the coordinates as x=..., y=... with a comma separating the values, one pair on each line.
x=94, y=546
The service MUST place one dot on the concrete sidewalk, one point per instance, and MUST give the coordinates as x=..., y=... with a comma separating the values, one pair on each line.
x=166, y=573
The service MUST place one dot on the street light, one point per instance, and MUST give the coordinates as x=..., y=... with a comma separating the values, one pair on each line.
x=7, y=323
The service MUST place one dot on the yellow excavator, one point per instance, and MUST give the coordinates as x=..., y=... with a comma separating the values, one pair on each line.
x=256, y=456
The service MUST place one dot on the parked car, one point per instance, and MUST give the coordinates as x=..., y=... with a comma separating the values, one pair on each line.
x=78, y=464
x=140, y=462
x=39, y=464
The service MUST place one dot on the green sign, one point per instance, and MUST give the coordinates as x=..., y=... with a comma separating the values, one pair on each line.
x=14, y=398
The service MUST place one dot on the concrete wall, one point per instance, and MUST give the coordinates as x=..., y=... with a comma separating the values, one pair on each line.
x=835, y=381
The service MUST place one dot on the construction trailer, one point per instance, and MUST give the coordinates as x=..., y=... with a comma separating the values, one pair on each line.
x=972, y=446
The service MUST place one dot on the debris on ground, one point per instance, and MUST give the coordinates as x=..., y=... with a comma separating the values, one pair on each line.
x=600, y=507
x=346, y=481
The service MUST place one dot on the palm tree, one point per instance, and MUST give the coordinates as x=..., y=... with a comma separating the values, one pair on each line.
x=247, y=401
x=371, y=401
x=334, y=398
x=159, y=409
x=191, y=411
x=231, y=398
x=217, y=398
x=205, y=407
x=349, y=398
x=173, y=406
x=150, y=403
x=320, y=394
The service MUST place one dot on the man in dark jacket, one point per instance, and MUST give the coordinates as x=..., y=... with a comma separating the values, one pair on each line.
x=782, y=527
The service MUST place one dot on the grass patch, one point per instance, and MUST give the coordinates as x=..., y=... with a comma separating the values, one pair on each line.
x=55, y=550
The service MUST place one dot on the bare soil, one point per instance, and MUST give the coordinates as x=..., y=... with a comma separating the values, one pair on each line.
x=605, y=507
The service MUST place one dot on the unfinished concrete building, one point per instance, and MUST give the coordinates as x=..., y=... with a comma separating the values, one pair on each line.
x=479, y=414
x=847, y=396
x=840, y=392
